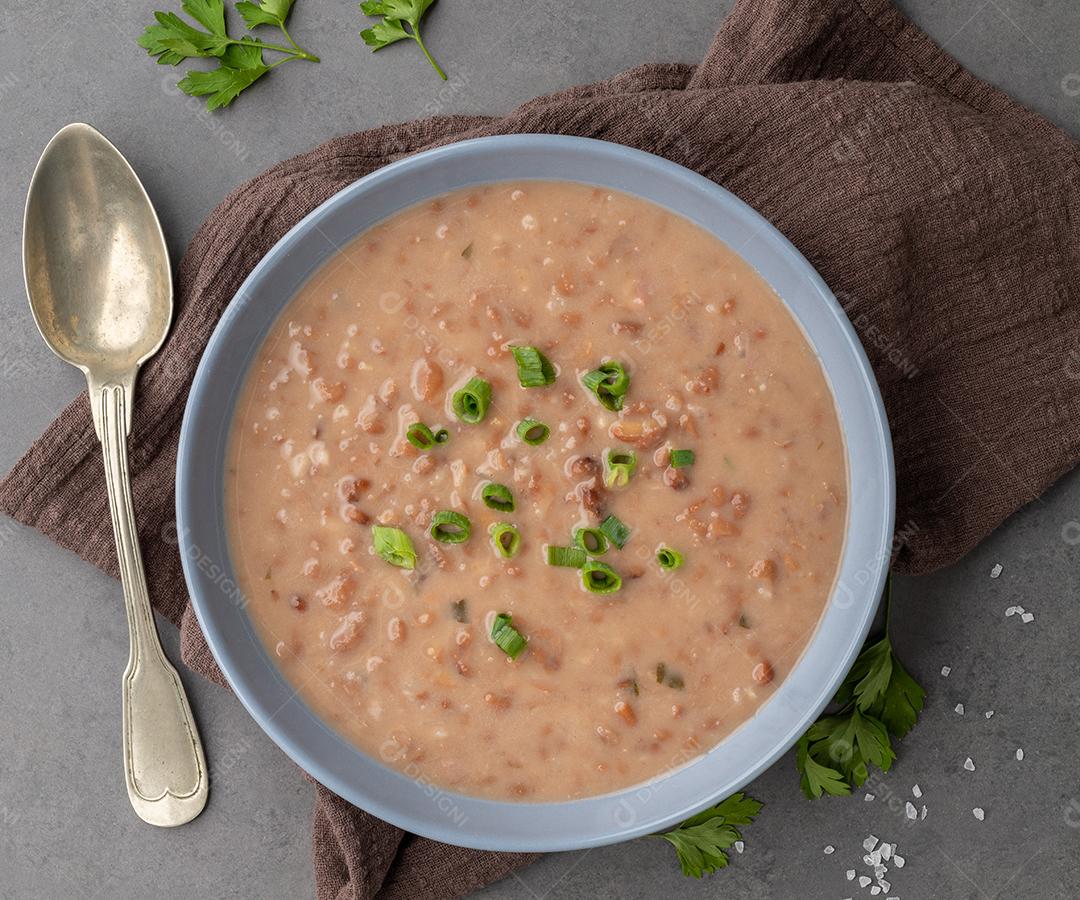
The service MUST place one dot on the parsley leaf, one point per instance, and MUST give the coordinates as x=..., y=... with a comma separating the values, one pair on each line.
x=701, y=841
x=396, y=15
x=240, y=60
x=877, y=699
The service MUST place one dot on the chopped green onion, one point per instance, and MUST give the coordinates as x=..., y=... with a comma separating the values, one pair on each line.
x=680, y=459
x=506, y=538
x=600, y=578
x=673, y=681
x=661, y=672
x=615, y=531
x=619, y=467
x=422, y=437
x=506, y=637
x=393, y=545
x=450, y=527
x=668, y=558
x=571, y=557
x=459, y=611
x=592, y=540
x=744, y=622
x=609, y=383
x=471, y=402
x=442, y=436
x=467, y=252
x=497, y=496
x=532, y=432
x=534, y=369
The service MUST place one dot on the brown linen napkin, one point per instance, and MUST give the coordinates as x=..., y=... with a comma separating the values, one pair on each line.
x=945, y=216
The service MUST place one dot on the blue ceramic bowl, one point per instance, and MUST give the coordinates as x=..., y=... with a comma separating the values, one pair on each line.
x=414, y=804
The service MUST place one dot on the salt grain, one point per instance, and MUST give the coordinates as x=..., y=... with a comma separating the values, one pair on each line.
x=978, y=813
x=868, y=860
x=898, y=860
x=829, y=850
x=916, y=791
x=863, y=881
x=945, y=670
x=868, y=798
x=1027, y=617
x=969, y=765
x=887, y=851
x=994, y=572
x=1019, y=753
x=739, y=846
x=870, y=843
x=850, y=874
x=1011, y=611
x=874, y=891
x=989, y=714
x=885, y=885
x=909, y=808
x=959, y=709
x=922, y=814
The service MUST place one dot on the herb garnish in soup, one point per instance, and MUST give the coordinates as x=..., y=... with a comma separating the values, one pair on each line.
x=536, y=491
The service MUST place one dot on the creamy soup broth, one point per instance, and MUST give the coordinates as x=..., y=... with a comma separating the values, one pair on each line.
x=610, y=689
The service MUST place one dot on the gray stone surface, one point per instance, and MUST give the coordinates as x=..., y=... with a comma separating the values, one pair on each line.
x=65, y=827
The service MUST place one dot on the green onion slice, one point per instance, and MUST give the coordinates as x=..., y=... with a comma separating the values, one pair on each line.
x=459, y=610
x=393, y=545
x=534, y=369
x=506, y=637
x=498, y=497
x=450, y=527
x=442, y=436
x=668, y=558
x=609, y=384
x=600, y=578
x=615, y=531
x=592, y=540
x=680, y=459
x=471, y=402
x=506, y=538
x=619, y=467
x=571, y=557
x=532, y=432
x=422, y=437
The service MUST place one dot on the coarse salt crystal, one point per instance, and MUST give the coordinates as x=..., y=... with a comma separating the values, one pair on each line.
x=1019, y=753
x=868, y=859
x=870, y=843
x=909, y=808
x=978, y=813
x=887, y=851
x=1027, y=617
x=868, y=798
x=989, y=714
x=874, y=891
x=922, y=813
x=829, y=849
x=885, y=885
x=898, y=860
x=959, y=709
x=969, y=765
x=863, y=881
x=739, y=846
x=879, y=872
x=875, y=858
x=1020, y=609
x=994, y=572
x=1011, y=611
x=945, y=670
x=916, y=791
x=850, y=874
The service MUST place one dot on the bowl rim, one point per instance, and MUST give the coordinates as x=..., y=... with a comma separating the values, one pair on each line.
x=687, y=786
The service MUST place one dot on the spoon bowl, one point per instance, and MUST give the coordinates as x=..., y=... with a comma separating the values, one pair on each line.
x=94, y=256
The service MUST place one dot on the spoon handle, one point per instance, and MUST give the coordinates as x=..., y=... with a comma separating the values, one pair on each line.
x=164, y=765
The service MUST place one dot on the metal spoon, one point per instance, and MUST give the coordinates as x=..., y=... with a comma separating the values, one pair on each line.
x=97, y=274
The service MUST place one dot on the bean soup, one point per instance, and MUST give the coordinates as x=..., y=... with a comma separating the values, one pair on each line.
x=536, y=491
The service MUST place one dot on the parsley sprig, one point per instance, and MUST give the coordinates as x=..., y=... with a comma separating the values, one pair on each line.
x=877, y=700
x=240, y=60
x=397, y=14
x=702, y=841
